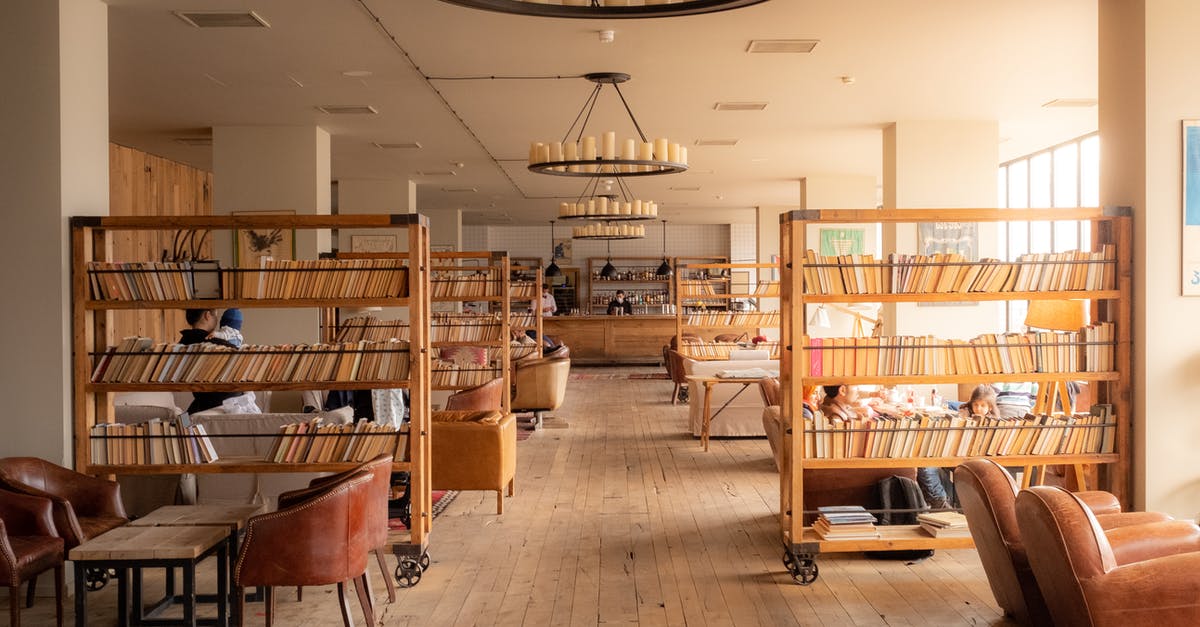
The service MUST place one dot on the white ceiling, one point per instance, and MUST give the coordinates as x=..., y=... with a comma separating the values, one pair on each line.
x=911, y=60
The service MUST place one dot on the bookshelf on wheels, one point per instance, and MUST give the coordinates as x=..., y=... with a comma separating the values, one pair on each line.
x=706, y=299
x=102, y=366
x=1098, y=353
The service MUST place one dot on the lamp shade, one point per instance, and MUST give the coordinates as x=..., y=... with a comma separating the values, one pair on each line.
x=1056, y=315
x=820, y=318
x=608, y=271
x=553, y=269
x=664, y=269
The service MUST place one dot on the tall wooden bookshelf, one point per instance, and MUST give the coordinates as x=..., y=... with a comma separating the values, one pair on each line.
x=707, y=301
x=525, y=300
x=802, y=283
x=148, y=288
x=489, y=276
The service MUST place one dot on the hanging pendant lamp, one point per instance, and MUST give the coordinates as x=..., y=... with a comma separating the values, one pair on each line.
x=552, y=269
x=608, y=271
x=664, y=270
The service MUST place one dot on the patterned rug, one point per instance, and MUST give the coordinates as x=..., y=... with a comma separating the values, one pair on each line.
x=441, y=500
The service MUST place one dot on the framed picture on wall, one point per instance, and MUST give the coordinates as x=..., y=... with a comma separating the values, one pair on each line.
x=250, y=246
x=960, y=238
x=1191, y=208
x=562, y=250
x=842, y=241
x=373, y=243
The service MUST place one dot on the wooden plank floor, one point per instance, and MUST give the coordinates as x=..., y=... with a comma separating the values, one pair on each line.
x=621, y=518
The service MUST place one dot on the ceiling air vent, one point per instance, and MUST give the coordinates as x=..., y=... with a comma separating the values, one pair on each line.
x=1071, y=103
x=459, y=189
x=194, y=141
x=436, y=173
x=740, y=106
x=684, y=189
x=222, y=19
x=716, y=142
x=348, y=109
x=795, y=46
x=397, y=145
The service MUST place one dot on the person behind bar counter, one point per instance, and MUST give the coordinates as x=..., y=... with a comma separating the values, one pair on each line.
x=618, y=306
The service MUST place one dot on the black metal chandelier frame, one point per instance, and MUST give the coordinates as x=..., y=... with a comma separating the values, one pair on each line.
x=600, y=167
x=595, y=9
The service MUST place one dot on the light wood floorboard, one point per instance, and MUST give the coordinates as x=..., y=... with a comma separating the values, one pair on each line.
x=621, y=519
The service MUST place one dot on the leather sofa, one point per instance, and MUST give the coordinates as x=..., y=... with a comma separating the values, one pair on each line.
x=743, y=416
x=83, y=506
x=988, y=495
x=474, y=450
x=1139, y=576
x=540, y=384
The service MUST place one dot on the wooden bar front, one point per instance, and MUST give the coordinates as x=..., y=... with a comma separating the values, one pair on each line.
x=599, y=340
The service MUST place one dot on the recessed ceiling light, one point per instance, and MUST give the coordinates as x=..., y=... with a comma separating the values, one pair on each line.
x=740, y=106
x=348, y=109
x=397, y=145
x=1067, y=103
x=716, y=142
x=357, y=73
x=459, y=189
x=800, y=46
x=222, y=19
x=193, y=141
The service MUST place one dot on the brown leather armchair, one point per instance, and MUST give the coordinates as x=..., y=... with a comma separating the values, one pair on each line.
x=380, y=468
x=479, y=453
x=29, y=546
x=540, y=385
x=320, y=540
x=84, y=506
x=988, y=495
x=1139, y=576
x=479, y=398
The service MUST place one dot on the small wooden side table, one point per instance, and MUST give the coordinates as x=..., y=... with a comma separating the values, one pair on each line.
x=709, y=383
x=135, y=547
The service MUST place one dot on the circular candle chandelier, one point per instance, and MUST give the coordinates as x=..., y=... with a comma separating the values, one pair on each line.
x=593, y=9
x=584, y=156
x=608, y=207
x=608, y=231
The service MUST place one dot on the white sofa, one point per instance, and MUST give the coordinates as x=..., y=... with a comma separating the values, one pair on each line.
x=743, y=416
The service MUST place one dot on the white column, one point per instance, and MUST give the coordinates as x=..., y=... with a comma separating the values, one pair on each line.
x=273, y=168
x=55, y=165
x=1146, y=89
x=940, y=164
x=372, y=196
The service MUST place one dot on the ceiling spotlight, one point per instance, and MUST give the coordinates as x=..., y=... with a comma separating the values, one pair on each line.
x=607, y=36
x=847, y=80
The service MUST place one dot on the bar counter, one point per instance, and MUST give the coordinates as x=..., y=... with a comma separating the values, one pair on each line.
x=636, y=339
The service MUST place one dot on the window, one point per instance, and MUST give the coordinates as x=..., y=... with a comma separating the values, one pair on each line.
x=1066, y=175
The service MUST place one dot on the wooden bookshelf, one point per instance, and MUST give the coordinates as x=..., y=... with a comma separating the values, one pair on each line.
x=524, y=278
x=706, y=297
x=92, y=402
x=649, y=293
x=1111, y=302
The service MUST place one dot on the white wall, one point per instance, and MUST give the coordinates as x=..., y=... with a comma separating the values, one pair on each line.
x=1142, y=104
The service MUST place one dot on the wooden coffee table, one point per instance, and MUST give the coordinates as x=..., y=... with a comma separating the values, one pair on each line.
x=136, y=547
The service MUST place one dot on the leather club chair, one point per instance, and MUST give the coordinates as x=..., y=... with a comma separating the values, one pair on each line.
x=988, y=495
x=29, y=546
x=474, y=450
x=322, y=539
x=487, y=396
x=1137, y=576
x=540, y=385
x=380, y=468
x=84, y=506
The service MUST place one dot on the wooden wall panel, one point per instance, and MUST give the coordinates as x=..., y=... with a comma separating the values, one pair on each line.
x=142, y=184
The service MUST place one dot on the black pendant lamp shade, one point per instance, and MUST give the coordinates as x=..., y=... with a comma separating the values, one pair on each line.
x=608, y=271
x=664, y=270
x=552, y=269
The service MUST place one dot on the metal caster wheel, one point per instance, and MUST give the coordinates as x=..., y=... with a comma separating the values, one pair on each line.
x=803, y=567
x=95, y=578
x=408, y=573
x=424, y=561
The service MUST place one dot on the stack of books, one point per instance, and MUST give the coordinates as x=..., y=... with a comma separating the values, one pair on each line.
x=944, y=524
x=845, y=522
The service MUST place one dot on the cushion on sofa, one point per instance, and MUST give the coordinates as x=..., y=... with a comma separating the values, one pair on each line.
x=486, y=417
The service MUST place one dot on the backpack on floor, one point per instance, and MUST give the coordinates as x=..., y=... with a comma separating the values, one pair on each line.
x=902, y=493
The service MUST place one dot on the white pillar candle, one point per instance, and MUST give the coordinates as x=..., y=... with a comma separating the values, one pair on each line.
x=564, y=209
x=609, y=145
x=654, y=209
x=603, y=206
x=556, y=151
x=589, y=148
x=543, y=153
x=660, y=149
x=637, y=207
x=591, y=210
x=683, y=155
x=673, y=153
x=533, y=152
x=626, y=209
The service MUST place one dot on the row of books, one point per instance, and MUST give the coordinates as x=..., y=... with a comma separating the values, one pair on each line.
x=314, y=443
x=954, y=435
x=691, y=287
x=1088, y=350
x=448, y=284
x=522, y=319
x=150, y=280
x=140, y=360
x=522, y=290
x=733, y=318
x=444, y=327
x=721, y=350
x=518, y=350
x=767, y=288
x=845, y=522
x=318, y=278
x=446, y=374
x=152, y=442
x=949, y=273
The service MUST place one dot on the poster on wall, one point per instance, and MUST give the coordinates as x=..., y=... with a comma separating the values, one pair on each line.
x=961, y=238
x=842, y=241
x=1191, y=207
x=562, y=251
